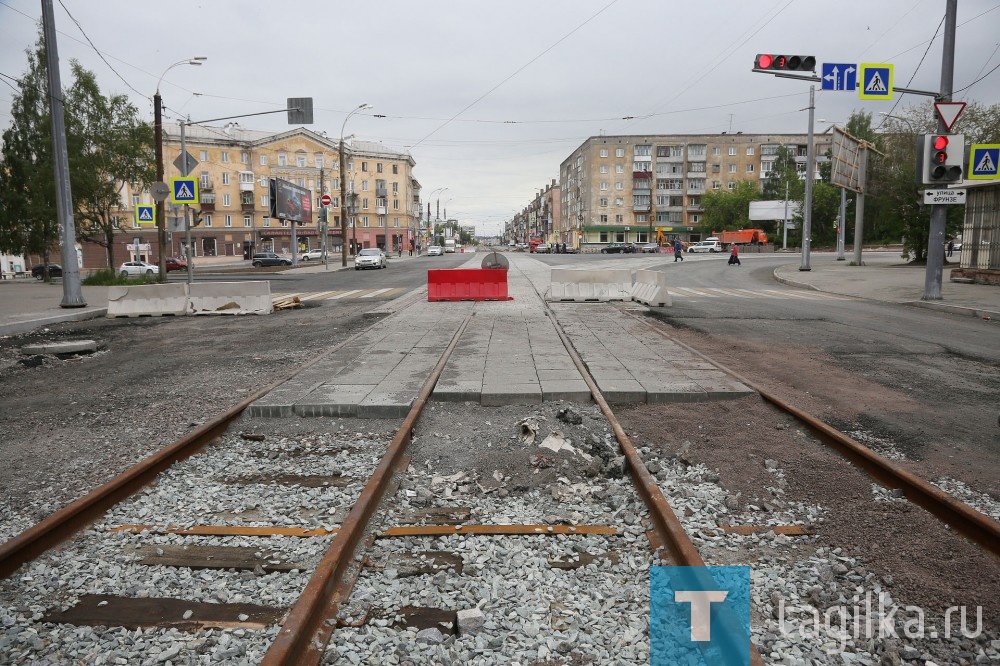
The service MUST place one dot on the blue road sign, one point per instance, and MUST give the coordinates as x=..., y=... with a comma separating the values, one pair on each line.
x=145, y=214
x=876, y=81
x=184, y=191
x=839, y=76
x=984, y=161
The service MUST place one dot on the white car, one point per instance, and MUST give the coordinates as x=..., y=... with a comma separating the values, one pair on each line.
x=313, y=254
x=138, y=269
x=706, y=246
x=435, y=251
x=370, y=257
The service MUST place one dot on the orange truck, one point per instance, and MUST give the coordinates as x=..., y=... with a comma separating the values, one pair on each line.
x=741, y=237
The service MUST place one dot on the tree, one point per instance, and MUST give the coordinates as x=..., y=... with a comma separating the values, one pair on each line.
x=726, y=210
x=28, y=217
x=109, y=146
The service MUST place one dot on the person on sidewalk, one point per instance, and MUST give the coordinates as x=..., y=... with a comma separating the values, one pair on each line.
x=951, y=246
x=734, y=255
x=411, y=248
x=678, y=250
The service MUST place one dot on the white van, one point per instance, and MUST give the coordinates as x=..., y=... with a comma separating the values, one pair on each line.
x=712, y=244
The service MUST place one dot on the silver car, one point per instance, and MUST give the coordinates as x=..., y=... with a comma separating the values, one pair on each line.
x=138, y=269
x=370, y=257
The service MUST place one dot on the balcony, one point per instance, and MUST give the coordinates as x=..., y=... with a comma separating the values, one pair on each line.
x=380, y=210
x=381, y=192
x=206, y=185
x=207, y=202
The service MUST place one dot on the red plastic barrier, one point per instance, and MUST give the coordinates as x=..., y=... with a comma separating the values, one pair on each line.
x=467, y=284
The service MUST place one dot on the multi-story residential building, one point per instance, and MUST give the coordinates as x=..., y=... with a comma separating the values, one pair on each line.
x=233, y=169
x=540, y=219
x=631, y=189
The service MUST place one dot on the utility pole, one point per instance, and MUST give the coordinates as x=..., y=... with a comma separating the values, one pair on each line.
x=810, y=170
x=841, y=219
x=72, y=291
x=784, y=224
x=939, y=212
x=343, y=205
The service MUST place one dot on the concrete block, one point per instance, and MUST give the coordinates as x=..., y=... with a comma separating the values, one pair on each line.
x=621, y=391
x=147, y=300
x=230, y=298
x=574, y=284
x=457, y=391
x=650, y=288
x=64, y=347
x=574, y=390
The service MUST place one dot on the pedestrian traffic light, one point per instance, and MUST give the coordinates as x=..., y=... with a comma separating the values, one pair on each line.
x=787, y=63
x=195, y=218
x=940, y=159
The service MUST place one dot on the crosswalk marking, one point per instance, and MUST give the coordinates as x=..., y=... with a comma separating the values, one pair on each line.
x=341, y=295
x=376, y=293
x=345, y=294
x=790, y=294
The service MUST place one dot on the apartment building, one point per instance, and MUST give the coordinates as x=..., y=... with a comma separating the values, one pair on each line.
x=631, y=189
x=540, y=220
x=233, y=168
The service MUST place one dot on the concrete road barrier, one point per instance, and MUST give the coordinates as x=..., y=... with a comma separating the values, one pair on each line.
x=148, y=300
x=576, y=284
x=650, y=289
x=229, y=298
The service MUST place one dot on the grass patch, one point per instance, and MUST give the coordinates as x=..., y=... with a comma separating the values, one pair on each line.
x=107, y=277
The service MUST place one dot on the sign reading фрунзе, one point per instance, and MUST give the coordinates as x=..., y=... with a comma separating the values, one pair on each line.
x=184, y=191
x=952, y=196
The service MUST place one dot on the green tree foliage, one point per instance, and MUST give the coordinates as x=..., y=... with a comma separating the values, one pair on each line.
x=28, y=218
x=726, y=210
x=109, y=146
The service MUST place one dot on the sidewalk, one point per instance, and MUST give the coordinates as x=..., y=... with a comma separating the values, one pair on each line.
x=884, y=276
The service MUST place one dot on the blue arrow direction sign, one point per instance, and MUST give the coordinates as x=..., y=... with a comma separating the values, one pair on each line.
x=184, y=191
x=839, y=76
x=984, y=160
x=145, y=214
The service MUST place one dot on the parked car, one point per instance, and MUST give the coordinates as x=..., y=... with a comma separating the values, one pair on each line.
x=614, y=248
x=269, y=259
x=543, y=248
x=650, y=247
x=55, y=270
x=435, y=251
x=370, y=257
x=138, y=269
x=313, y=254
x=706, y=246
x=175, y=264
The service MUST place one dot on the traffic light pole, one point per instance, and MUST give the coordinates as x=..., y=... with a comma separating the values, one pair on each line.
x=939, y=212
x=810, y=174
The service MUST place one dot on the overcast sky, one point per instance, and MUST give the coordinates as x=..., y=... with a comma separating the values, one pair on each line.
x=490, y=97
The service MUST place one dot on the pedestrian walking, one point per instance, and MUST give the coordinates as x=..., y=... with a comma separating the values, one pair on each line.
x=951, y=247
x=411, y=248
x=734, y=255
x=678, y=250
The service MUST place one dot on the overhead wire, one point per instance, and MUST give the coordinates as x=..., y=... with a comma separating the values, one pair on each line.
x=96, y=50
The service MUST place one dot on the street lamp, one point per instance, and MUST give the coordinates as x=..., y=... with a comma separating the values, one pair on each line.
x=343, y=187
x=161, y=226
x=437, y=216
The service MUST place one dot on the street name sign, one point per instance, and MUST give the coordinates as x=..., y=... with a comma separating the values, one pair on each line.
x=944, y=197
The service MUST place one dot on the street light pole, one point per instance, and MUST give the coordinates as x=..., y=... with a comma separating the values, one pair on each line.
x=161, y=226
x=343, y=187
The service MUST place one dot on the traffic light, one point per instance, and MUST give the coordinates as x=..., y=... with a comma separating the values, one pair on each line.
x=195, y=218
x=786, y=63
x=941, y=158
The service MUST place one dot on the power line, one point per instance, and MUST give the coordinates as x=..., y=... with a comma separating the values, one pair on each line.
x=101, y=55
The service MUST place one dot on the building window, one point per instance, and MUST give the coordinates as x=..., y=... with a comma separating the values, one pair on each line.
x=263, y=160
x=696, y=184
x=265, y=201
x=263, y=181
x=395, y=169
x=732, y=151
x=364, y=167
x=619, y=152
x=245, y=157
x=603, y=218
x=395, y=188
x=204, y=155
x=225, y=156
x=620, y=185
x=604, y=152
x=619, y=168
x=643, y=151
x=364, y=186
x=378, y=167
x=604, y=201
x=228, y=221
x=364, y=220
x=695, y=219
x=749, y=168
x=697, y=150
x=395, y=222
x=696, y=167
x=284, y=222
x=226, y=198
x=716, y=185
x=135, y=200
x=749, y=150
x=603, y=237
x=604, y=168
x=716, y=151
x=282, y=159
x=732, y=185
x=395, y=204
x=380, y=221
x=267, y=221
x=225, y=177
x=208, y=219
x=619, y=218
x=364, y=204
x=301, y=182
x=619, y=201
x=300, y=159
x=604, y=186
x=247, y=221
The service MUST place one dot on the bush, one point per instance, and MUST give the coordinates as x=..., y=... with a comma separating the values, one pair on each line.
x=108, y=277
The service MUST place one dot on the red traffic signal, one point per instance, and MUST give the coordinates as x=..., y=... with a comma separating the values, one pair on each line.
x=937, y=164
x=788, y=63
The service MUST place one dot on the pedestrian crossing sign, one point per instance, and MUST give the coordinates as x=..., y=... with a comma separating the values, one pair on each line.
x=145, y=215
x=984, y=161
x=184, y=191
x=876, y=81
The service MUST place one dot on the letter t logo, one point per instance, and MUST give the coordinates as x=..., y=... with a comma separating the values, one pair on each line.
x=701, y=602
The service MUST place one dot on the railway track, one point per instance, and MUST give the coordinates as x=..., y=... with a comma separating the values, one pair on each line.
x=463, y=534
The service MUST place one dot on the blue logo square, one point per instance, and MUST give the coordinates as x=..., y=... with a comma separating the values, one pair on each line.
x=699, y=615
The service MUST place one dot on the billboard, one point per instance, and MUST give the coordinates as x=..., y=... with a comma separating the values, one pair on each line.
x=290, y=202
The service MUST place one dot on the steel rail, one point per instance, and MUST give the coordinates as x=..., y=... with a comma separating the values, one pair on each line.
x=306, y=630
x=954, y=513
x=67, y=521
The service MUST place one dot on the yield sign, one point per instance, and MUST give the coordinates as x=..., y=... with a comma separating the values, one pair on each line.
x=949, y=112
